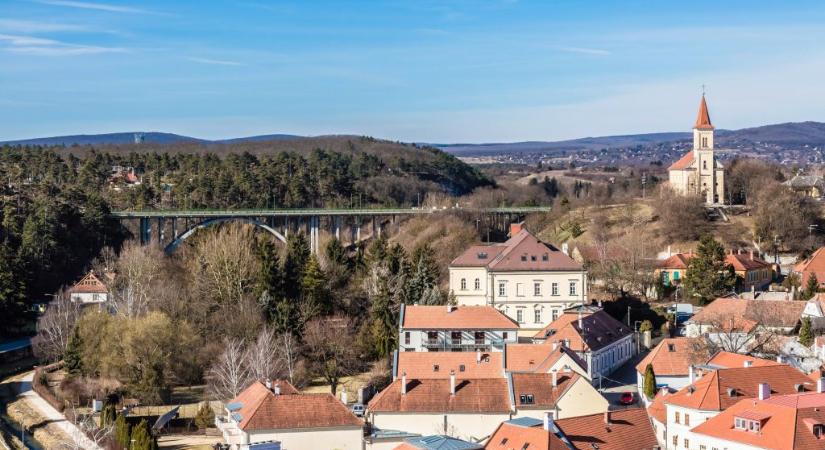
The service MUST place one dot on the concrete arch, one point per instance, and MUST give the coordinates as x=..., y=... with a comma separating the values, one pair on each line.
x=208, y=222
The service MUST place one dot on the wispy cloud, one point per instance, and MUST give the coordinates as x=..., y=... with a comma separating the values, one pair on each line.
x=584, y=50
x=27, y=45
x=28, y=26
x=216, y=62
x=96, y=6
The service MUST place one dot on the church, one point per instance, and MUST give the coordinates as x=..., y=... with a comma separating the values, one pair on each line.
x=698, y=172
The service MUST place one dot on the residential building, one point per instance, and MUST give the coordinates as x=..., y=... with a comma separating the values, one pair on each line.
x=672, y=360
x=814, y=265
x=91, y=289
x=718, y=390
x=438, y=442
x=541, y=358
x=528, y=280
x=601, y=341
x=275, y=411
x=735, y=320
x=776, y=422
x=627, y=429
x=699, y=172
x=657, y=412
x=471, y=408
x=752, y=272
x=454, y=328
x=808, y=185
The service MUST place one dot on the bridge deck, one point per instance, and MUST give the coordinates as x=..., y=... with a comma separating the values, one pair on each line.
x=304, y=212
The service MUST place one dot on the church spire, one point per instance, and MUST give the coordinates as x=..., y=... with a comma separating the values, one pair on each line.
x=703, y=119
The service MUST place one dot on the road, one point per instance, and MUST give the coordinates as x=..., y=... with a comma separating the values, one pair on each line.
x=622, y=380
x=305, y=212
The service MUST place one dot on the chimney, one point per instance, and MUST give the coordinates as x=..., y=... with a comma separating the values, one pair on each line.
x=739, y=251
x=793, y=292
x=549, y=421
x=581, y=328
x=450, y=308
x=780, y=359
x=820, y=385
x=344, y=397
x=607, y=417
x=555, y=345
x=452, y=382
x=555, y=378
x=268, y=384
x=669, y=253
x=277, y=389
x=691, y=375
x=478, y=356
x=748, y=363
x=515, y=228
x=404, y=383
x=764, y=390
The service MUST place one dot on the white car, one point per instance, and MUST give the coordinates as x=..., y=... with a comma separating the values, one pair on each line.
x=358, y=409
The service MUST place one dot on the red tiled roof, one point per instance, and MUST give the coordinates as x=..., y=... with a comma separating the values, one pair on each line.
x=732, y=360
x=421, y=365
x=815, y=264
x=671, y=357
x=522, y=252
x=677, y=261
x=89, y=284
x=769, y=313
x=598, y=330
x=710, y=392
x=536, y=357
x=786, y=422
x=540, y=386
x=657, y=409
x=740, y=262
x=433, y=395
x=683, y=163
x=629, y=429
x=703, y=118
x=460, y=317
x=261, y=409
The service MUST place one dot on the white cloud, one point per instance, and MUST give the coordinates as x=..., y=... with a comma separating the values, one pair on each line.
x=27, y=45
x=96, y=6
x=584, y=50
x=216, y=62
x=27, y=26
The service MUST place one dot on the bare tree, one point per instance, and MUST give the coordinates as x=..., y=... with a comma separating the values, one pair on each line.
x=55, y=327
x=287, y=350
x=230, y=374
x=330, y=349
x=261, y=356
x=139, y=268
x=739, y=332
x=87, y=435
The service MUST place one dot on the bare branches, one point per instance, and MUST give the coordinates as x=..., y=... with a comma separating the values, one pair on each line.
x=55, y=327
x=230, y=374
x=139, y=269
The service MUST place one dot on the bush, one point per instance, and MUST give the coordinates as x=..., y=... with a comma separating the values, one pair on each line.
x=646, y=326
x=205, y=417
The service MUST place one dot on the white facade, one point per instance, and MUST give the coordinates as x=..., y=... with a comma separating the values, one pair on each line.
x=88, y=297
x=415, y=340
x=467, y=426
x=531, y=298
x=703, y=175
x=607, y=359
x=680, y=421
x=338, y=438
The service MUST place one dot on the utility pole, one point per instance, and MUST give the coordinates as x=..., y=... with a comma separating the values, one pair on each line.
x=644, y=183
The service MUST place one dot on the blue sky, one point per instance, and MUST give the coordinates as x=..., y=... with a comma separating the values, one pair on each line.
x=426, y=71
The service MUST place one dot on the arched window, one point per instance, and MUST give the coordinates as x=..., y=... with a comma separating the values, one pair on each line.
x=477, y=285
x=463, y=284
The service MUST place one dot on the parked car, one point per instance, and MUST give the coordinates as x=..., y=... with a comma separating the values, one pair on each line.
x=627, y=398
x=358, y=409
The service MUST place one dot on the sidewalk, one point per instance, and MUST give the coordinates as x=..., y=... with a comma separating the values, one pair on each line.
x=53, y=415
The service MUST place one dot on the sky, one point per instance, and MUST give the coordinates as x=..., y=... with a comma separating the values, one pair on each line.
x=419, y=70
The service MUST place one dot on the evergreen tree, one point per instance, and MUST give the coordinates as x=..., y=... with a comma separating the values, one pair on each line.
x=270, y=278
x=650, y=382
x=377, y=251
x=314, y=289
x=384, y=318
x=205, y=417
x=336, y=254
x=811, y=287
x=295, y=262
x=424, y=277
x=108, y=415
x=72, y=357
x=12, y=294
x=708, y=275
x=141, y=437
x=123, y=431
x=806, y=336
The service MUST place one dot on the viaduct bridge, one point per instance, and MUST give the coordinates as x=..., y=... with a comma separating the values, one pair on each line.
x=171, y=227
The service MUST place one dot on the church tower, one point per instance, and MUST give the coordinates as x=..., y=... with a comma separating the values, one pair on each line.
x=709, y=173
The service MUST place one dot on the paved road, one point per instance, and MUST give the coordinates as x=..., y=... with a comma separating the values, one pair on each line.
x=52, y=415
x=303, y=212
x=622, y=380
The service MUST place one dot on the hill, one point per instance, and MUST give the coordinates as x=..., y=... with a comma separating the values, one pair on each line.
x=124, y=138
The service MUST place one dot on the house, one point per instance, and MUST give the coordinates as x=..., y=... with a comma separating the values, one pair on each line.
x=672, y=359
x=698, y=172
x=601, y=341
x=528, y=280
x=536, y=358
x=738, y=319
x=729, y=360
x=454, y=328
x=815, y=311
x=627, y=429
x=657, y=412
x=720, y=389
x=471, y=408
x=819, y=347
x=275, y=411
x=776, y=422
x=808, y=185
x=814, y=265
x=752, y=272
x=90, y=289
x=437, y=442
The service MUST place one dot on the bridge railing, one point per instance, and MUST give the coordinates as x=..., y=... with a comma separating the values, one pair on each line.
x=126, y=214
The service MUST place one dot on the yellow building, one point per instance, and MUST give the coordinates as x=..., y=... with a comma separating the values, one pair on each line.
x=698, y=172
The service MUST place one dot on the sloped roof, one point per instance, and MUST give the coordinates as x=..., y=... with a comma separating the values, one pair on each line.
x=683, y=163
x=437, y=442
x=769, y=313
x=598, y=330
x=422, y=365
x=815, y=264
x=433, y=395
x=786, y=422
x=710, y=392
x=740, y=262
x=805, y=181
x=703, y=118
x=672, y=357
x=89, y=284
x=522, y=252
x=261, y=409
x=731, y=360
x=427, y=317
x=537, y=357
x=540, y=386
x=657, y=409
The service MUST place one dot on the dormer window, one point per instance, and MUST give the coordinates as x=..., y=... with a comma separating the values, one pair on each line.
x=532, y=257
x=524, y=257
x=435, y=367
x=671, y=348
x=526, y=399
x=482, y=255
x=751, y=423
x=545, y=257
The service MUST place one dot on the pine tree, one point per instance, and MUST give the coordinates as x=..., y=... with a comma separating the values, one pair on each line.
x=108, y=415
x=141, y=437
x=384, y=317
x=650, y=382
x=314, y=289
x=205, y=417
x=806, y=336
x=72, y=356
x=294, y=263
x=811, y=287
x=270, y=278
x=123, y=431
x=708, y=275
x=336, y=254
x=12, y=294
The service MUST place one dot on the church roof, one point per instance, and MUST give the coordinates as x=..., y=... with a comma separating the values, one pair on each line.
x=683, y=163
x=703, y=119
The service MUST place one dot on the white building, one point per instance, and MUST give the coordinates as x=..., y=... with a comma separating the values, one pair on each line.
x=451, y=328
x=698, y=172
x=89, y=290
x=278, y=413
x=528, y=280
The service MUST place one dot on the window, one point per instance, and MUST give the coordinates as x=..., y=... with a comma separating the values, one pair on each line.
x=520, y=315
x=435, y=367
x=573, y=288
x=526, y=399
x=704, y=164
x=676, y=418
x=432, y=336
x=537, y=315
x=455, y=336
x=461, y=368
x=740, y=423
x=537, y=289
x=687, y=443
x=675, y=441
x=554, y=289
x=406, y=338
x=479, y=337
x=687, y=419
x=477, y=285
x=520, y=289
x=504, y=335
x=704, y=142
x=463, y=284
x=502, y=289
x=702, y=447
x=555, y=314
x=545, y=257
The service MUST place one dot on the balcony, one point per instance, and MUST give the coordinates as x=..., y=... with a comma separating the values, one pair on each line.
x=462, y=344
